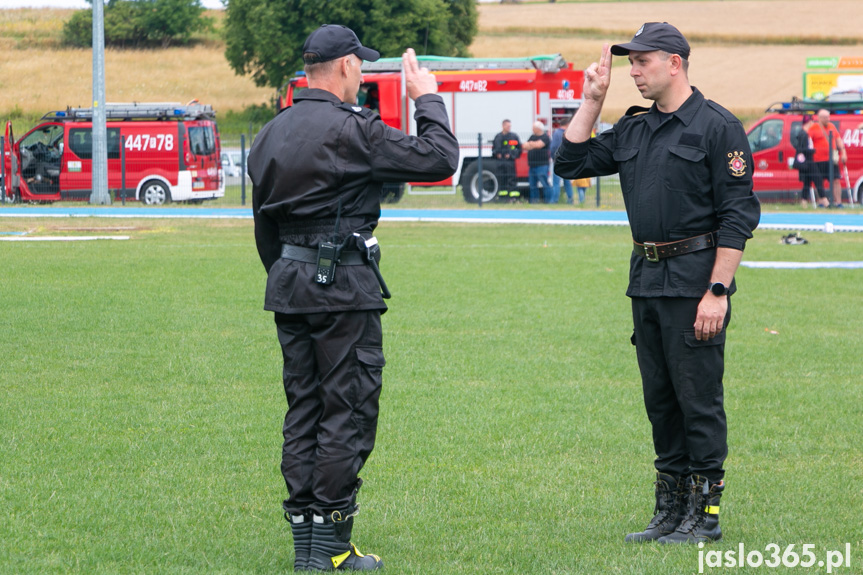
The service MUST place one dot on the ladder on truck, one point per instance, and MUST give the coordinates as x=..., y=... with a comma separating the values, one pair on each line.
x=842, y=104
x=139, y=111
x=546, y=63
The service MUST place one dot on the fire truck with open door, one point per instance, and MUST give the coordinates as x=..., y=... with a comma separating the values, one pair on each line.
x=172, y=153
x=478, y=93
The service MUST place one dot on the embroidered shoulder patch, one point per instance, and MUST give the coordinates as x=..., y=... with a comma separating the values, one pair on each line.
x=736, y=164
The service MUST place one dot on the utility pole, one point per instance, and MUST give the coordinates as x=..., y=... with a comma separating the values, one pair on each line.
x=99, y=193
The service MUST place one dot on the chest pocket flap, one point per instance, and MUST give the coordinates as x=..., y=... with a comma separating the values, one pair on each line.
x=688, y=153
x=624, y=154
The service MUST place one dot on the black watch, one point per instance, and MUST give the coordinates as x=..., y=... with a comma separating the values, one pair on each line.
x=718, y=289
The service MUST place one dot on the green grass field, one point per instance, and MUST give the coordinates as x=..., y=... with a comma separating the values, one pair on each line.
x=142, y=403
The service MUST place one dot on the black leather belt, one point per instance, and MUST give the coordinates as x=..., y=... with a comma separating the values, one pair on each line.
x=310, y=255
x=655, y=251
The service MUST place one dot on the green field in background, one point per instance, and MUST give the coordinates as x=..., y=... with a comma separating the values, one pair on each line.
x=142, y=404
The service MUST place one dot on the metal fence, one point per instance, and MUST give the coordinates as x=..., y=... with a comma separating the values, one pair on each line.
x=128, y=187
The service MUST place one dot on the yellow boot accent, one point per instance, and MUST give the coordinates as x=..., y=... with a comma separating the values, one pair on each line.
x=339, y=559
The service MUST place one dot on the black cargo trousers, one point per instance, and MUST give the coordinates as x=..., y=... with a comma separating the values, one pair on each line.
x=682, y=382
x=507, y=175
x=332, y=378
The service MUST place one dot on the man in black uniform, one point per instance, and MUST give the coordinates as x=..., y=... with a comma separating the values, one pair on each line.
x=685, y=172
x=317, y=170
x=506, y=149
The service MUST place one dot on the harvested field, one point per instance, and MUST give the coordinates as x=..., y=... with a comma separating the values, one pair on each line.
x=764, y=21
x=52, y=79
x=746, y=54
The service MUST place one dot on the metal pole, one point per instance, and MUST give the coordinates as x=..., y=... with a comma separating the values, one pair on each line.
x=123, y=167
x=598, y=179
x=3, y=167
x=830, y=165
x=479, y=169
x=99, y=193
x=243, y=169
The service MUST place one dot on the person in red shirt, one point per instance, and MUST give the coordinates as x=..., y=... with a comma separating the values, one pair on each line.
x=820, y=133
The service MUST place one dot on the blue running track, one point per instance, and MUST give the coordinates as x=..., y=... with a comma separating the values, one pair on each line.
x=843, y=221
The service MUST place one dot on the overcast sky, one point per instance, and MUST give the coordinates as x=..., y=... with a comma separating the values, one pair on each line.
x=74, y=4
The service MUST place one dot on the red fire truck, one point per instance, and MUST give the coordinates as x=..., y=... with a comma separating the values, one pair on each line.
x=171, y=154
x=771, y=139
x=479, y=94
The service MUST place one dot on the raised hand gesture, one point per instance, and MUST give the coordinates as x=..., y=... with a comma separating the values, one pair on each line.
x=419, y=80
x=597, y=77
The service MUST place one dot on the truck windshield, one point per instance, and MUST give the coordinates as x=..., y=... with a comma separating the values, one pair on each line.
x=765, y=135
x=202, y=140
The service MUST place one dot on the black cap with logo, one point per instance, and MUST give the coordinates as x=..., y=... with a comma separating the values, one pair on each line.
x=655, y=36
x=332, y=41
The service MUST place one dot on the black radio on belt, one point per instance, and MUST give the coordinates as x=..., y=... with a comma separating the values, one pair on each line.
x=328, y=253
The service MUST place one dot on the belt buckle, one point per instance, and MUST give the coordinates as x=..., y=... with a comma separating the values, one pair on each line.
x=650, y=252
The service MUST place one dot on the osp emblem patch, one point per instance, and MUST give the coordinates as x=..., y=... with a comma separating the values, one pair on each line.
x=736, y=164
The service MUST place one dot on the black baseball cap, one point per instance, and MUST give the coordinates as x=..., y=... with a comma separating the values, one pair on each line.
x=332, y=41
x=655, y=36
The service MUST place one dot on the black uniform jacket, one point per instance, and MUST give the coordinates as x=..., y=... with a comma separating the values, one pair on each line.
x=507, y=145
x=685, y=176
x=314, y=154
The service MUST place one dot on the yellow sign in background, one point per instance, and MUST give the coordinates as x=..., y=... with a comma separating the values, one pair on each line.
x=819, y=85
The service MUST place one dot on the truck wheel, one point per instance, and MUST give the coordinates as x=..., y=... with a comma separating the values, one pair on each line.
x=154, y=193
x=391, y=193
x=470, y=182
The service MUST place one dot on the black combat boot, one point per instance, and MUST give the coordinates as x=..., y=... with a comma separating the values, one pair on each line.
x=331, y=544
x=702, y=516
x=301, y=528
x=671, y=497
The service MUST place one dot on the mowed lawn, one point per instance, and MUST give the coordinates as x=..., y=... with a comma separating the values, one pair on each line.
x=141, y=404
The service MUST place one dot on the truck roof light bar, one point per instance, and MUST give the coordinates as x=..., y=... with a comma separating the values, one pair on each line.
x=543, y=63
x=139, y=111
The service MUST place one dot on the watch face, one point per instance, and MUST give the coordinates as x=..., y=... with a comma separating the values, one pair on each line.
x=718, y=289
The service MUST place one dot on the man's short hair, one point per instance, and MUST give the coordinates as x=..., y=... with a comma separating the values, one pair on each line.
x=684, y=63
x=316, y=67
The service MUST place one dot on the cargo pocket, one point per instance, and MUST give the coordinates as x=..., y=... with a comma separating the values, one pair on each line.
x=368, y=386
x=701, y=365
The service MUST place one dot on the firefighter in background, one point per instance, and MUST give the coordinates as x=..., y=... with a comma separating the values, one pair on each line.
x=506, y=149
x=317, y=171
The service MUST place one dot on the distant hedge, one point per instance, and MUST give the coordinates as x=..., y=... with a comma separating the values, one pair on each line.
x=140, y=24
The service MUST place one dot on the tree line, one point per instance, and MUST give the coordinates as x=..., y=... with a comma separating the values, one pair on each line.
x=264, y=38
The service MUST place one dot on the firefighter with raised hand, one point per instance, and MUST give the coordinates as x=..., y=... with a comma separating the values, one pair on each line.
x=686, y=174
x=317, y=171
